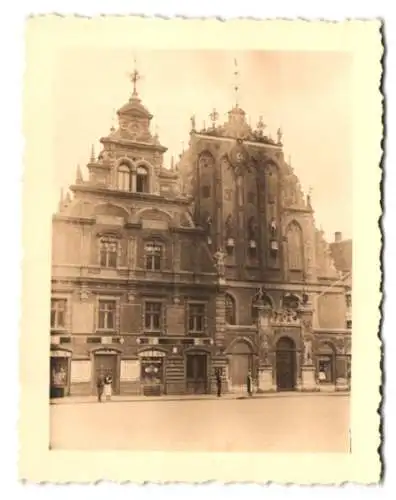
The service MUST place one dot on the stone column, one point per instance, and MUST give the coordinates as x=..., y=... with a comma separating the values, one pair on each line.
x=220, y=318
x=308, y=370
x=265, y=376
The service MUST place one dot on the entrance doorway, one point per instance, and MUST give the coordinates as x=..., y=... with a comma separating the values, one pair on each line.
x=285, y=364
x=106, y=364
x=197, y=373
x=241, y=361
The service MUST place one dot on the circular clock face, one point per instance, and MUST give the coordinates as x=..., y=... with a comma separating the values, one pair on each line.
x=123, y=124
x=133, y=128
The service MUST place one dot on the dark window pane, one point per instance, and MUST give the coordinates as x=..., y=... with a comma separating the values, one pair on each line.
x=101, y=319
x=53, y=319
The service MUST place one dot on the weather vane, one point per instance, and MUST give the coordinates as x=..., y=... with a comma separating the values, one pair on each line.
x=135, y=77
x=214, y=116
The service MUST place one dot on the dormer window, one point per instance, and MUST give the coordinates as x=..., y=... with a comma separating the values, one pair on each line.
x=141, y=180
x=108, y=252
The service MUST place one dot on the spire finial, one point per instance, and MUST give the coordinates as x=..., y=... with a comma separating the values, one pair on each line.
x=68, y=198
x=92, y=153
x=279, y=135
x=214, y=116
x=135, y=77
x=113, y=121
x=61, y=199
x=236, y=81
x=79, y=177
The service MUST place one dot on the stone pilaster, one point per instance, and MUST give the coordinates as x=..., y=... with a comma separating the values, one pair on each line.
x=220, y=318
x=265, y=380
x=342, y=383
x=308, y=371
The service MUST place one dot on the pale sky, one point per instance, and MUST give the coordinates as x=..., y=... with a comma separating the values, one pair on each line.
x=307, y=94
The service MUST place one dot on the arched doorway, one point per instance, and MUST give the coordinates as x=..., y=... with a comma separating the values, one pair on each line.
x=285, y=364
x=326, y=359
x=240, y=362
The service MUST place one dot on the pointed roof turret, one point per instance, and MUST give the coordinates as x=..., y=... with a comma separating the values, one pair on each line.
x=79, y=177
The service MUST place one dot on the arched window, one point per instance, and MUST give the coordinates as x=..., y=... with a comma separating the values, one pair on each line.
x=294, y=247
x=141, y=180
x=124, y=180
x=108, y=252
x=230, y=310
x=291, y=302
x=153, y=252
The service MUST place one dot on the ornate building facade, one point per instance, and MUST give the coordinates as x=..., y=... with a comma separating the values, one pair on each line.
x=166, y=276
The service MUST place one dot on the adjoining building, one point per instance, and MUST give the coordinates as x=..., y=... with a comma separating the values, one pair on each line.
x=165, y=275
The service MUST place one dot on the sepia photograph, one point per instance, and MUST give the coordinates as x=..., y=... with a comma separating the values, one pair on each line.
x=191, y=276
x=200, y=273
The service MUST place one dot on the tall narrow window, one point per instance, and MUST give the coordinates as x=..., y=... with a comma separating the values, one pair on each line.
x=124, y=178
x=141, y=180
x=196, y=318
x=58, y=313
x=230, y=315
x=294, y=247
x=107, y=310
x=153, y=256
x=108, y=252
x=152, y=316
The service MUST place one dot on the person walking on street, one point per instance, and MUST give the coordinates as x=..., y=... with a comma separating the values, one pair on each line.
x=218, y=382
x=100, y=386
x=108, y=386
x=249, y=383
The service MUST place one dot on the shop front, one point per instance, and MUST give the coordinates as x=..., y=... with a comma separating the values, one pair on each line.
x=59, y=373
x=152, y=371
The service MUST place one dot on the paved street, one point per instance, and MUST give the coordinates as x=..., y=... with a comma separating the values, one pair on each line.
x=278, y=423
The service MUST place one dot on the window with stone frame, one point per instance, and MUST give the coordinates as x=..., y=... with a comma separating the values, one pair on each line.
x=108, y=252
x=153, y=311
x=142, y=180
x=107, y=314
x=153, y=253
x=58, y=313
x=230, y=310
x=348, y=299
x=294, y=238
x=196, y=318
x=124, y=177
x=349, y=324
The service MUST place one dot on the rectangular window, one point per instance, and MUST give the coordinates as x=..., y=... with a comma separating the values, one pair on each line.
x=196, y=318
x=108, y=253
x=107, y=311
x=152, y=316
x=58, y=313
x=153, y=253
x=349, y=324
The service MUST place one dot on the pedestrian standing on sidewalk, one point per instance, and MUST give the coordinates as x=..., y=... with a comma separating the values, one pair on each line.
x=218, y=382
x=249, y=383
x=100, y=386
x=107, y=386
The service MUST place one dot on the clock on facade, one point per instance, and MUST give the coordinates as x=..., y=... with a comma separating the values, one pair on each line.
x=133, y=128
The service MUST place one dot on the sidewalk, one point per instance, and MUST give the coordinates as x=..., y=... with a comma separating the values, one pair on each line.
x=191, y=397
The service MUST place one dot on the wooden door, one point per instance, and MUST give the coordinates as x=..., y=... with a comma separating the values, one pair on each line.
x=197, y=374
x=107, y=365
x=285, y=365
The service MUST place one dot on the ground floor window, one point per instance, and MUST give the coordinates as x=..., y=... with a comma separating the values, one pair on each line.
x=152, y=371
